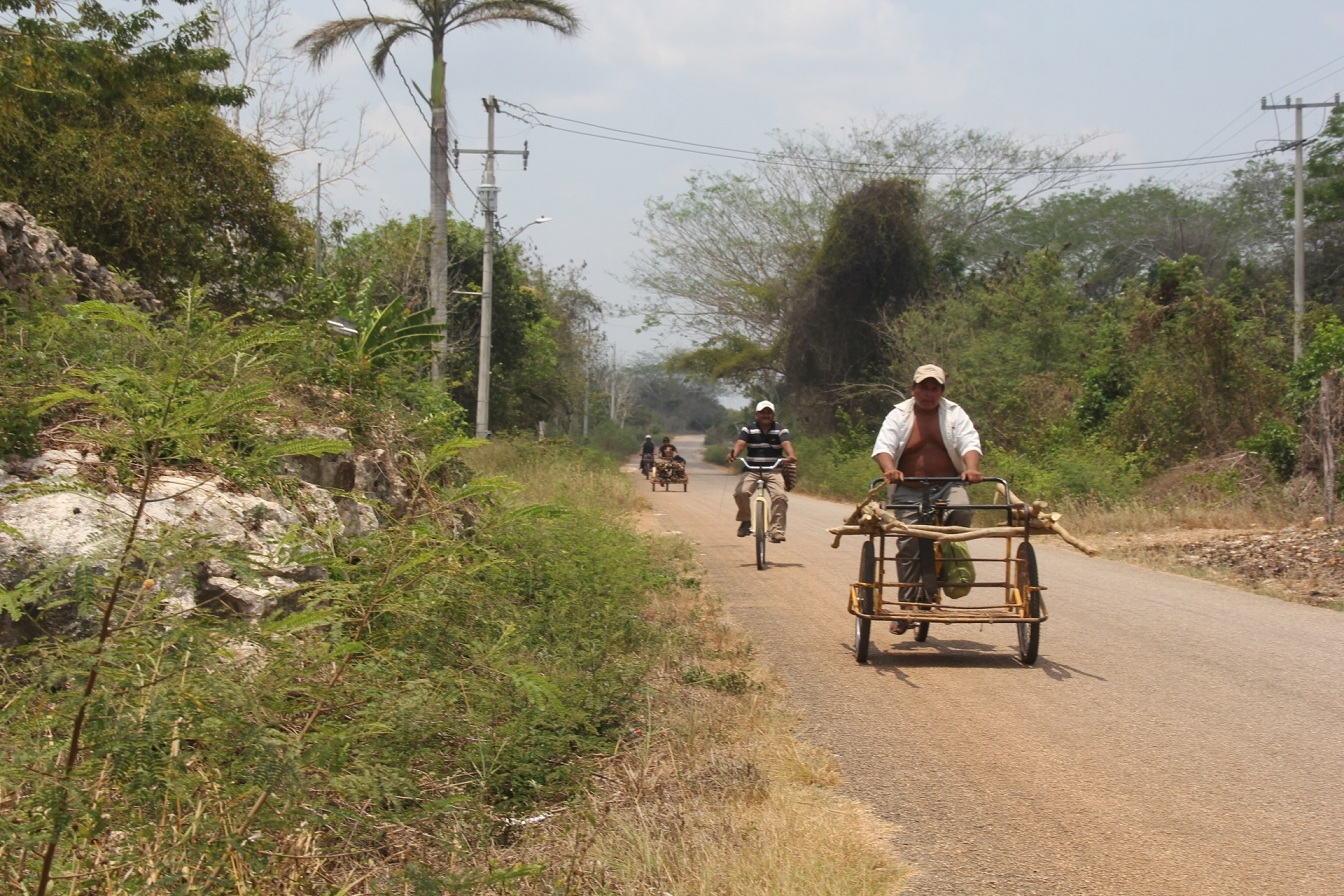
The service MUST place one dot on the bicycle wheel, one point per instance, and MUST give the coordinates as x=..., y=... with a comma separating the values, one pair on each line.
x=758, y=520
x=1026, y=582
x=928, y=573
x=863, y=627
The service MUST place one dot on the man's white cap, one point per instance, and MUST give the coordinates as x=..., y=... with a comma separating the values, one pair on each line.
x=763, y=405
x=928, y=371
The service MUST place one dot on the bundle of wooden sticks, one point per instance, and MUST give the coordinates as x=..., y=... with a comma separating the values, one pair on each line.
x=870, y=518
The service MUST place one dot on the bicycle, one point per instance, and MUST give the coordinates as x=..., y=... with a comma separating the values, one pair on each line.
x=760, y=506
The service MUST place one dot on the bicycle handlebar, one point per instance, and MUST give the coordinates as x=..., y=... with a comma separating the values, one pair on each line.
x=752, y=468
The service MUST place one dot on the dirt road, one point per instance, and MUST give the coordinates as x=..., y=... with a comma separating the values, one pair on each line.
x=1175, y=737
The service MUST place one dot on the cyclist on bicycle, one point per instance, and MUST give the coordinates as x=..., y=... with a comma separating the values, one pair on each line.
x=926, y=435
x=764, y=442
x=646, y=455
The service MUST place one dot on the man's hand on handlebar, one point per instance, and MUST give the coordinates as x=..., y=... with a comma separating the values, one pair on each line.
x=895, y=477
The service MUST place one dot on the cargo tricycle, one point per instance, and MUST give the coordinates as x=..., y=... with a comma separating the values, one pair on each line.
x=1005, y=588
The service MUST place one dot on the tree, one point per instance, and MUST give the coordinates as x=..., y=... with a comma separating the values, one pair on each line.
x=873, y=263
x=1013, y=340
x=727, y=259
x=1111, y=236
x=109, y=134
x=390, y=262
x=435, y=20
x=1203, y=372
x=580, y=347
x=1324, y=198
x=290, y=121
x=1324, y=194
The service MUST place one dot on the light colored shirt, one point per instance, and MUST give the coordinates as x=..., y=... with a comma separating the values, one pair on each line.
x=959, y=434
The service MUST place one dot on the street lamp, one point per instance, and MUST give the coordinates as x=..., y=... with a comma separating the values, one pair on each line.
x=489, y=195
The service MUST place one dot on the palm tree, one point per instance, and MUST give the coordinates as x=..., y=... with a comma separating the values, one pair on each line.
x=434, y=19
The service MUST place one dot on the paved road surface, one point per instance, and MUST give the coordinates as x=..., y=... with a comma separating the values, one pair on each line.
x=1175, y=737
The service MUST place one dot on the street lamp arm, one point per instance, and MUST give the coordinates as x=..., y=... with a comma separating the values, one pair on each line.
x=541, y=220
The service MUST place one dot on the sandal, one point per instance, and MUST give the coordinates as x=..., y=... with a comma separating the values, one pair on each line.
x=900, y=627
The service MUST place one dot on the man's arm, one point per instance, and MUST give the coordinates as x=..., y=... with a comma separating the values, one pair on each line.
x=972, y=471
x=887, y=464
x=738, y=447
x=788, y=451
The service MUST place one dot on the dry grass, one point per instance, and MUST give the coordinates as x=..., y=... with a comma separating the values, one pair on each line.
x=1231, y=492
x=555, y=477
x=713, y=793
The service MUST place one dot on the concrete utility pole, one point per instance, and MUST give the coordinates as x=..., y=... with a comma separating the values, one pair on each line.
x=489, y=201
x=1299, y=243
x=317, y=260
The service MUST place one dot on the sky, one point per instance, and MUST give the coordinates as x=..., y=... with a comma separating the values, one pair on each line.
x=1156, y=81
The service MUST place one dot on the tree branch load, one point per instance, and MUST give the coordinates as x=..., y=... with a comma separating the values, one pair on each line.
x=871, y=518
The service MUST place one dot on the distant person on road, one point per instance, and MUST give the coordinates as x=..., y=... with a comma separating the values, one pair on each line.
x=668, y=450
x=646, y=452
x=764, y=441
x=670, y=464
x=926, y=436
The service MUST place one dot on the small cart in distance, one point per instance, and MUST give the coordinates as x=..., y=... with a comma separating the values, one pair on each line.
x=667, y=473
x=1012, y=597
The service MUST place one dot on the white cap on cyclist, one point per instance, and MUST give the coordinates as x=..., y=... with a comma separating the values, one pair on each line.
x=929, y=372
x=764, y=406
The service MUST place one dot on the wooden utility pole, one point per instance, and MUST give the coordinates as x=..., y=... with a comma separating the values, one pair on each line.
x=1299, y=250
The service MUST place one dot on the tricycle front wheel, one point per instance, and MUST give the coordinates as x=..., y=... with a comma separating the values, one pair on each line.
x=863, y=626
x=1027, y=583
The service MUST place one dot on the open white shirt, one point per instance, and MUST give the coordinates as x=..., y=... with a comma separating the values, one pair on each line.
x=959, y=434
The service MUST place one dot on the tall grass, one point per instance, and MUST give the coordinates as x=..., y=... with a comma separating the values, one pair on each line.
x=711, y=793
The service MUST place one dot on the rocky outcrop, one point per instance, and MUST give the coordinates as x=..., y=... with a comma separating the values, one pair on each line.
x=34, y=258
x=53, y=524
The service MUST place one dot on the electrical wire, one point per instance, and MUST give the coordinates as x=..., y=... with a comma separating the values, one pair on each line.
x=379, y=88
x=744, y=155
x=378, y=25
x=1255, y=107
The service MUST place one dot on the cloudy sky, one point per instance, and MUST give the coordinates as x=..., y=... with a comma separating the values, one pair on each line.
x=1159, y=81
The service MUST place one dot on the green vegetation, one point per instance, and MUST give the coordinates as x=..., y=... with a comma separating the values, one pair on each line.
x=109, y=133
x=378, y=728
x=506, y=632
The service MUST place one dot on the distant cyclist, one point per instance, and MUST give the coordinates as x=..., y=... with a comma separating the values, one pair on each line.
x=646, y=452
x=764, y=442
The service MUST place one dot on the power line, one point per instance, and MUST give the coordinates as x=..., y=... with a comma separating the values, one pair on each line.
x=414, y=101
x=746, y=155
x=379, y=88
x=377, y=23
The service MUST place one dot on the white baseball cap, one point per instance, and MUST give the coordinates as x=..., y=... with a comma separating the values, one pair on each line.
x=929, y=371
x=763, y=405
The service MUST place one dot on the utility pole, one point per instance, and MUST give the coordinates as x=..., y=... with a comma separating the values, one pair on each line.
x=1299, y=242
x=613, y=384
x=489, y=201
x=317, y=264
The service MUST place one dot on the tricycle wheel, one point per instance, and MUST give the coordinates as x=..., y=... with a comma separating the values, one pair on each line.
x=862, y=626
x=1027, y=583
x=922, y=631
